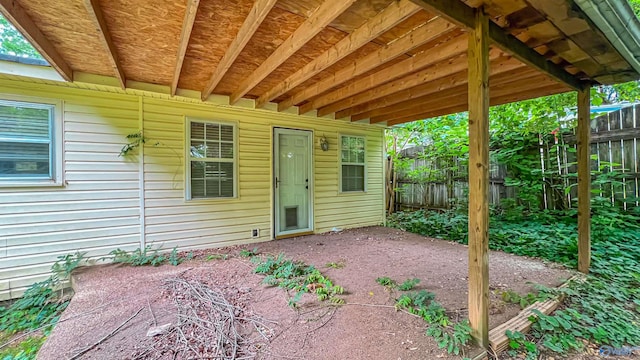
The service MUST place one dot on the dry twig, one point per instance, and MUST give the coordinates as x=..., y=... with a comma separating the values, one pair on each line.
x=209, y=326
x=113, y=332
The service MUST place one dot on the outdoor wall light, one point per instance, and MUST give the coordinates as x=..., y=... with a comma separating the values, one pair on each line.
x=324, y=144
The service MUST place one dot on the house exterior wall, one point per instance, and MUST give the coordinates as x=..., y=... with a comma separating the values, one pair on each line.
x=110, y=202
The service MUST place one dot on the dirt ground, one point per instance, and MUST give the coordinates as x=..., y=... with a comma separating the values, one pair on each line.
x=366, y=327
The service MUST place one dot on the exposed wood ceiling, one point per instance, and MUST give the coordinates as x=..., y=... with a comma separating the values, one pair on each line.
x=383, y=61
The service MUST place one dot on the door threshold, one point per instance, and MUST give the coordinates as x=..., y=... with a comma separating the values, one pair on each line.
x=287, y=236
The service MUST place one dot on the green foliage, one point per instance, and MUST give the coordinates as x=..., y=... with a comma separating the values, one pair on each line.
x=246, y=253
x=39, y=308
x=217, y=257
x=603, y=310
x=135, y=140
x=449, y=335
x=336, y=265
x=513, y=297
x=147, y=256
x=408, y=284
x=299, y=277
x=519, y=345
x=24, y=350
x=386, y=281
x=13, y=43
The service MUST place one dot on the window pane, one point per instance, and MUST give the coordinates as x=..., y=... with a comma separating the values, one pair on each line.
x=226, y=150
x=197, y=188
x=198, y=149
x=197, y=130
x=226, y=182
x=360, y=156
x=345, y=155
x=213, y=132
x=352, y=177
x=197, y=169
x=24, y=159
x=20, y=121
x=226, y=132
x=213, y=149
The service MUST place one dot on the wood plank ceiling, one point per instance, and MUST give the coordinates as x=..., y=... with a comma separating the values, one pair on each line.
x=382, y=61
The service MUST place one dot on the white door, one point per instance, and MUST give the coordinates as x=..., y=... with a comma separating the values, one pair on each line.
x=293, y=181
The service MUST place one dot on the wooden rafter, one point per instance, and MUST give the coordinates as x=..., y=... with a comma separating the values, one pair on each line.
x=426, y=81
x=328, y=11
x=556, y=88
x=410, y=41
x=415, y=63
x=418, y=104
x=463, y=15
x=95, y=13
x=391, y=16
x=258, y=13
x=185, y=35
x=499, y=88
x=11, y=10
x=501, y=65
x=442, y=75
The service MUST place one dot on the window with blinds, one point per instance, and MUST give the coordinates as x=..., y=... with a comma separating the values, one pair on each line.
x=352, y=163
x=26, y=141
x=212, y=160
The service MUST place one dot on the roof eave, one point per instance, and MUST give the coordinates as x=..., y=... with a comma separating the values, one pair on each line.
x=621, y=27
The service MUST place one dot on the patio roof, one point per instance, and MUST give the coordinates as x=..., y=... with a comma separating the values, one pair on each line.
x=383, y=61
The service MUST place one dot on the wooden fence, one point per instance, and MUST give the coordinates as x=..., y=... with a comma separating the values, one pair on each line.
x=615, y=146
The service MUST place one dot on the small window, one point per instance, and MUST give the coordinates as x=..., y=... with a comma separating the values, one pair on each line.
x=28, y=148
x=212, y=160
x=352, y=162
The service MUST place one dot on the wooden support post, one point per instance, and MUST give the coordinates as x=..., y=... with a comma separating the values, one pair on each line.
x=478, y=54
x=584, y=180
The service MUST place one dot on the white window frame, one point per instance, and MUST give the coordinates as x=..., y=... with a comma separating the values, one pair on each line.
x=56, y=162
x=364, y=164
x=189, y=159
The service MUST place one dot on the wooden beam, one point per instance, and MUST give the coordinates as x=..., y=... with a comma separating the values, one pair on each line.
x=391, y=16
x=400, y=69
x=460, y=107
x=95, y=13
x=425, y=82
x=187, y=26
x=479, y=178
x=11, y=10
x=463, y=15
x=505, y=84
x=328, y=11
x=410, y=41
x=499, y=89
x=258, y=13
x=583, y=133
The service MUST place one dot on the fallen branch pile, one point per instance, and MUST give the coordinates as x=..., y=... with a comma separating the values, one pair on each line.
x=208, y=326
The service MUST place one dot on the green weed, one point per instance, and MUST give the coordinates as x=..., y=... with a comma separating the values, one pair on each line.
x=513, y=297
x=147, y=256
x=298, y=277
x=335, y=265
x=449, y=335
x=217, y=257
x=386, y=281
x=408, y=284
x=246, y=253
x=39, y=308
